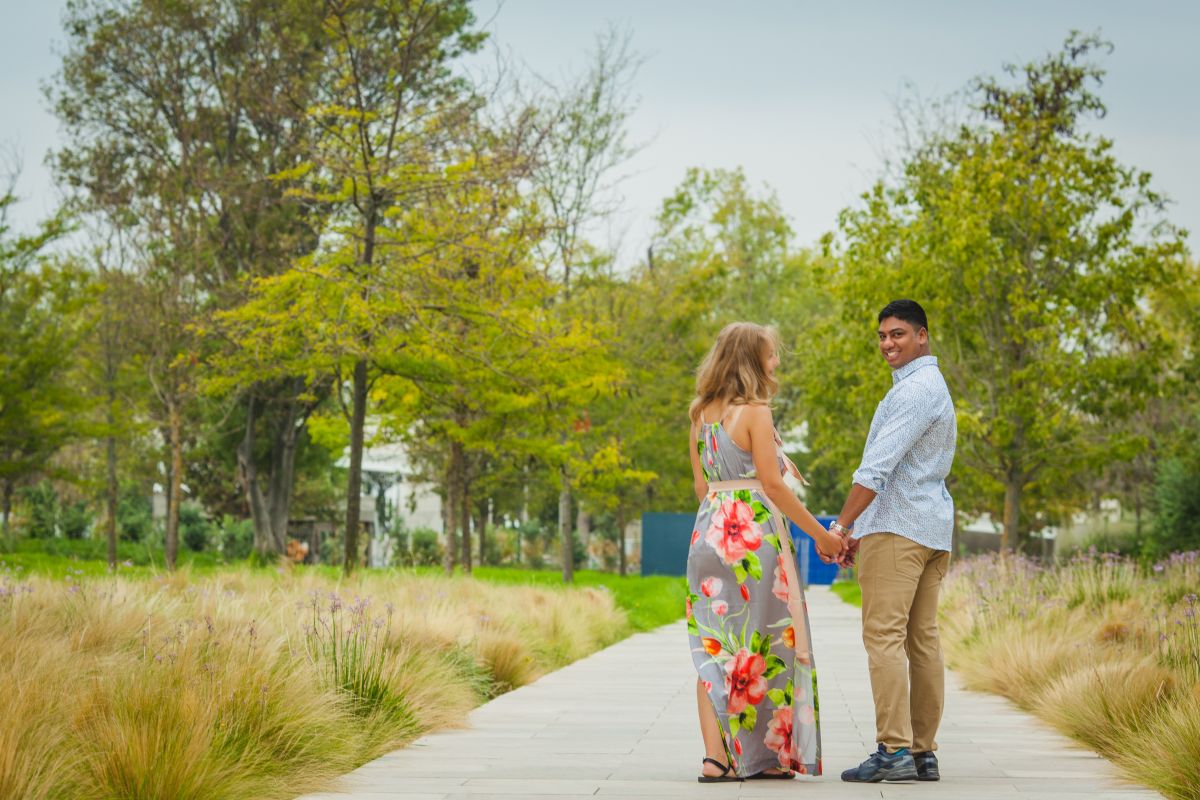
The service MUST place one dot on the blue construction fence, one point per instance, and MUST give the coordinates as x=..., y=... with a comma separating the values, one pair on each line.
x=667, y=537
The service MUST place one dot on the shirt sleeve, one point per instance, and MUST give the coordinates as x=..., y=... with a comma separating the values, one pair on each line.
x=910, y=413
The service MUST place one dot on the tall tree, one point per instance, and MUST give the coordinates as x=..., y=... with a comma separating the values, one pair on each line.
x=585, y=143
x=177, y=113
x=388, y=105
x=40, y=323
x=1034, y=251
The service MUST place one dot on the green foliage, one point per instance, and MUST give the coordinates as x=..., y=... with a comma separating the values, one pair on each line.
x=194, y=528
x=41, y=509
x=849, y=591
x=74, y=519
x=1177, y=508
x=40, y=324
x=135, y=514
x=47, y=515
x=427, y=551
x=236, y=538
x=1035, y=253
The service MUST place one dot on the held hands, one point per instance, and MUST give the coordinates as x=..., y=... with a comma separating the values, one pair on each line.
x=845, y=552
x=830, y=547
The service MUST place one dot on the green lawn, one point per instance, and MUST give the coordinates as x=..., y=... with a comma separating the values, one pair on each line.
x=648, y=602
x=848, y=591
x=55, y=558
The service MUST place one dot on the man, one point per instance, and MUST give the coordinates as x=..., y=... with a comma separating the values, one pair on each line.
x=902, y=519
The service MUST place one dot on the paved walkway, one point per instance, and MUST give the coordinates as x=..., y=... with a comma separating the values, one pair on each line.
x=622, y=723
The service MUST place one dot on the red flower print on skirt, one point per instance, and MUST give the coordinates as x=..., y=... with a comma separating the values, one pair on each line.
x=744, y=681
x=733, y=531
x=711, y=646
x=780, y=589
x=711, y=587
x=779, y=735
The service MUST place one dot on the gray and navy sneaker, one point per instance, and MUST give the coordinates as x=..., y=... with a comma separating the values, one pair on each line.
x=883, y=766
x=927, y=768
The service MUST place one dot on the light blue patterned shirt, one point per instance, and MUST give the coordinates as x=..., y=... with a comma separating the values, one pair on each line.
x=908, y=454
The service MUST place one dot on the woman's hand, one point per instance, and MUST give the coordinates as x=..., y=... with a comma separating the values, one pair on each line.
x=830, y=546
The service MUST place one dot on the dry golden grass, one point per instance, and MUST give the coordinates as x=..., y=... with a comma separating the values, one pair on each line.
x=1168, y=747
x=223, y=686
x=1105, y=651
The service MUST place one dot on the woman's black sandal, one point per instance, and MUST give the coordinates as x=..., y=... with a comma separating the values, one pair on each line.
x=771, y=776
x=723, y=777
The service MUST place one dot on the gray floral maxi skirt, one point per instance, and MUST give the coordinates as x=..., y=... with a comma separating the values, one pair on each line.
x=748, y=627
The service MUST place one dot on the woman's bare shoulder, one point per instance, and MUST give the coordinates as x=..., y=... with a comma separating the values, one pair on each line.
x=757, y=411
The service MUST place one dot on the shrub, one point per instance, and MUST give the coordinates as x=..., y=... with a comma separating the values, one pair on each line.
x=135, y=515
x=1177, y=509
x=41, y=510
x=236, y=538
x=427, y=551
x=194, y=529
x=74, y=519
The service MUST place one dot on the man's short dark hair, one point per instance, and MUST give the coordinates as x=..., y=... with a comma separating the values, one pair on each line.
x=908, y=310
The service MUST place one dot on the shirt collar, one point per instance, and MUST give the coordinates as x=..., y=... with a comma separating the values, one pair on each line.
x=912, y=366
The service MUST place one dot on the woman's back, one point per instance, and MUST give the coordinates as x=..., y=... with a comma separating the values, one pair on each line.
x=724, y=445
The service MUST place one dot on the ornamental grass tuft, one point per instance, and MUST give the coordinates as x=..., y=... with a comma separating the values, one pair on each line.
x=1105, y=649
x=258, y=684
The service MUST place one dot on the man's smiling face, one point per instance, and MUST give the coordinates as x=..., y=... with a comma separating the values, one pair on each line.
x=899, y=343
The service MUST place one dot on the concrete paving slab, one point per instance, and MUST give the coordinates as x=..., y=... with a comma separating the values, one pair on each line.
x=622, y=723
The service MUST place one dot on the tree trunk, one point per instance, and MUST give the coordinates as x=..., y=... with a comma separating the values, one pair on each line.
x=7, y=513
x=175, y=490
x=481, y=524
x=358, y=418
x=1009, y=538
x=583, y=529
x=283, y=471
x=450, y=511
x=621, y=540
x=524, y=494
x=1137, y=514
x=248, y=475
x=564, y=529
x=464, y=500
x=113, y=489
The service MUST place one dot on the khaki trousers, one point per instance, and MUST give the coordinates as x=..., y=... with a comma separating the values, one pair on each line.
x=900, y=580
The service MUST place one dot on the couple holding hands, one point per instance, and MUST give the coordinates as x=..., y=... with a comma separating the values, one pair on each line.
x=747, y=620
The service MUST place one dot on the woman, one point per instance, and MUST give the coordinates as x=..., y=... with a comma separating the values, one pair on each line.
x=747, y=622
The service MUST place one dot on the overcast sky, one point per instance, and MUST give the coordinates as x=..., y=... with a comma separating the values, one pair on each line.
x=800, y=94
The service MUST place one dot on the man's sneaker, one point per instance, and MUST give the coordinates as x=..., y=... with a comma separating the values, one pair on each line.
x=927, y=768
x=883, y=766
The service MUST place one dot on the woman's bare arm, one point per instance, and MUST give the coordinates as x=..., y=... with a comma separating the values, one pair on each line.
x=762, y=443
x=700, y=482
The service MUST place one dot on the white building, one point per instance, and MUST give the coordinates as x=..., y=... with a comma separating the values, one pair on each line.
x=390, y=481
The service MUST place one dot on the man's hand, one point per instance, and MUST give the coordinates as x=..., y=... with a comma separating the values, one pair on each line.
x=850, y=552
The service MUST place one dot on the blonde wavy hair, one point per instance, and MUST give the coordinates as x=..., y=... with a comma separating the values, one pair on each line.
x=735, y=368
